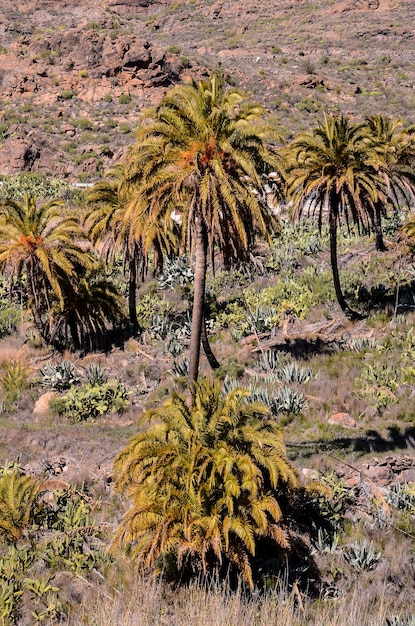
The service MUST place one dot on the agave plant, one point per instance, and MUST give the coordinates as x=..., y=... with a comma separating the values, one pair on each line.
x=59, y=376
x=96, y=375
x=396, y=620
x=180, y=368
x=325, y=542
x=402, y=496
x=293, y=373
x=362, y=556
x=288, y=400
x=176, y=272
x=361, y=344
x=268, y=361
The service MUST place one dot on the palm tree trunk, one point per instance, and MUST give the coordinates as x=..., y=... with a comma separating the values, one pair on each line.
x=353, y=315
x=132, y=292
x=377, y=227
x=213, y=362
x=198, y=298
x=73, y=327
x=30, y=286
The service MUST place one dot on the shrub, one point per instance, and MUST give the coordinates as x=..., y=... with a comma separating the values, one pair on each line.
x=55, y=534
x=91, y=401
x=83, y=123
x=10, y=319
x=174, y=49
x=124, y=98
x=124, y=128
x=67, y=94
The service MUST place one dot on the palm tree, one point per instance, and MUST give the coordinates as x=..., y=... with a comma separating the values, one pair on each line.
x=112, y=230
x=18, y=496
x=39, y=241
x=205, y=482
x=201, y=157
x=92, y=308
x=334, y=172
x=396, y=147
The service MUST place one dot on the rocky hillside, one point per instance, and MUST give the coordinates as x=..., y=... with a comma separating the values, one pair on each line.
x=75, y=75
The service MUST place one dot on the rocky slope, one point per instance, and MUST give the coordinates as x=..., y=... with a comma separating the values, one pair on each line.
x=75, y=75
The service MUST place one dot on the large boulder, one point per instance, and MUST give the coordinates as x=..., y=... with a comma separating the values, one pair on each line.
x=42, y=405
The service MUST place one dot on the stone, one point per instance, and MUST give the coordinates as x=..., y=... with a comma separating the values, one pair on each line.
x=17, y=155
x=342, y=419
x=407, y=475
x=309, y=473
x=42, y=405
x=380, y=474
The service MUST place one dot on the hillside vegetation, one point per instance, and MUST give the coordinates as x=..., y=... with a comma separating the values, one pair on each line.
x=207, y=357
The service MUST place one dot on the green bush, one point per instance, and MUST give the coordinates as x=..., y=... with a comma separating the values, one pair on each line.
x=124, y=98
x=124, y=128
x=40, y=538
x=10, y=319
x=67, y=94
x=92, y=400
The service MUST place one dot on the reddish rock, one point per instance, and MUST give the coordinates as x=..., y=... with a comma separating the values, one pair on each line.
x=42, y=404
x=17, y=155
x=380, y=474
x=407, y=475
x=68, y=129
x=342, y=419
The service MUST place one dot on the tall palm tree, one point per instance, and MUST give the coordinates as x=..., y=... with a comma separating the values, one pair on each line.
x=205, y=482
x=396, y=147
x=39, y=241
x=201, y=156
x=112, y=230
x=334, y=173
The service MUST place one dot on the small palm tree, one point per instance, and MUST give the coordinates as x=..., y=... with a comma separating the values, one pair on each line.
x=112, y=231
x=201, y=156
x=92, y=309
x=334, y=172
x=18, y=496
x=205, y=482
x=396, y=146
x=39, y=241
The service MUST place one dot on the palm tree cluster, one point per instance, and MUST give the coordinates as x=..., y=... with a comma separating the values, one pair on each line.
x=353, y=173
x=194, y=182
x=209, y=479
x=46, y=246
x=206, y=482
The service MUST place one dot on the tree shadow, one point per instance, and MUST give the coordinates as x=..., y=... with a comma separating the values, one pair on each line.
x=301, y=348
x=370, y=443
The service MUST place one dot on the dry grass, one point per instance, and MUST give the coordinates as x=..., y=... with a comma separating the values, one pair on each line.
x=150, y=603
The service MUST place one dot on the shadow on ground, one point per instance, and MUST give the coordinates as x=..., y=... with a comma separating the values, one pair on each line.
x=371, y=442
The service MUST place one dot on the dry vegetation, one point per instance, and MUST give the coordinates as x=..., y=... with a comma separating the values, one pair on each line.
x=336, y=356
x=74, y=389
